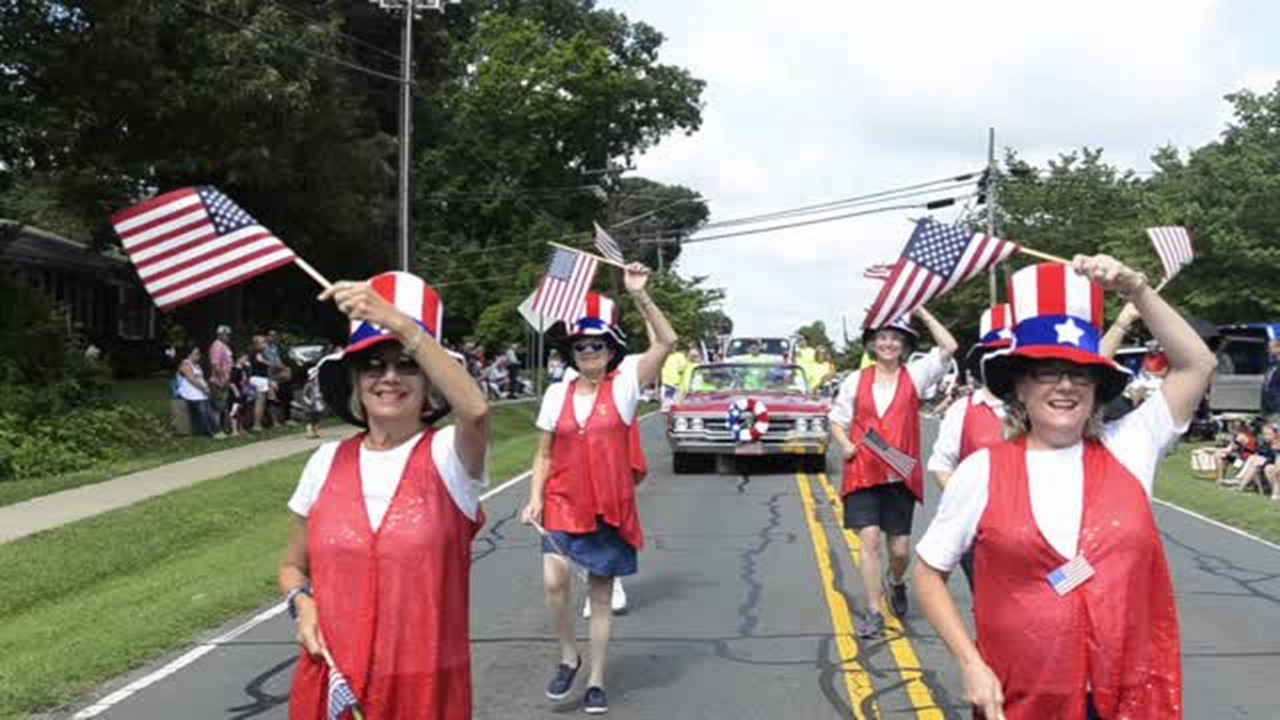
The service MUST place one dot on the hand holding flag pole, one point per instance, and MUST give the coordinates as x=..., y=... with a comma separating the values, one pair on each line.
x=341, y=697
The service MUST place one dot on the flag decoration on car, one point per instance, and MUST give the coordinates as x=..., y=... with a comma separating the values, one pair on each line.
x=937, y=258
x=563, y=289
x=1173, y=245
x=902, y=463
x=193, y=242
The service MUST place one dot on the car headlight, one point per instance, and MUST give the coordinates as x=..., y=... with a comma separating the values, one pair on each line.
x=818, y=424
x=696, y=423
x=681, y=424
x=802, y=425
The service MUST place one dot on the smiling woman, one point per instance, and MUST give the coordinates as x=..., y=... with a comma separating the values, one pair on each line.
x=1059, y=517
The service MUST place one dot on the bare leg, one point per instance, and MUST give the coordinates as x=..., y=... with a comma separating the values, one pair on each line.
x=555, y=589
x=899, y=556
x=870, y=538
x=601, y=591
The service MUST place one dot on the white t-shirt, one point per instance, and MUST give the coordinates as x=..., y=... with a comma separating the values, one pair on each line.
x=924, y=371
x=626, y=396
x=1055, y=482
x=946, y=449
x=380, y=472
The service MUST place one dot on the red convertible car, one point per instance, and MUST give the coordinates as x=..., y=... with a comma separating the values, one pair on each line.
x=742, y=409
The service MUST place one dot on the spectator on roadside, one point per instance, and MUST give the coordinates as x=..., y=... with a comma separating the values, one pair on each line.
x=260, y=376
x=1253, y=471
x=280, y=401
x=220, y=362
x=555, y=366
x=314, y=402
x=1271, y=383
x=194, y=389
x=1238, y=450
x=246, y=392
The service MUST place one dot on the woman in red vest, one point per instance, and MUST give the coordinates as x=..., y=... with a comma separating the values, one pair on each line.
x=975, y=422
x=583, y=486
x=378, y=563
x=878, y=501
x=1073, y=603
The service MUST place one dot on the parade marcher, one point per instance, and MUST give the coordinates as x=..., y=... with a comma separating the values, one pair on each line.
x=377, y=569
x=877, y=501
x=1073, y=604
x=672, y=373
x=583, y=485
x=977, y=421
x=823, y=370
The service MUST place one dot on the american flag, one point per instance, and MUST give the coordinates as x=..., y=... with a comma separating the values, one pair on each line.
x=195, y=241
x=1173, y=245
x=879, y=271
x=607, y=246
x=564, y=287
x=1071, y=576
x=937, y=258
x=341, y=697
x=902, y=463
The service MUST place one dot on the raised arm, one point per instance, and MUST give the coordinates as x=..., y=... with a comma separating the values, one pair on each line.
x=1114, y=338
x=470, y=407
x=942, y=337
x=663, y=337
x=1191, y=362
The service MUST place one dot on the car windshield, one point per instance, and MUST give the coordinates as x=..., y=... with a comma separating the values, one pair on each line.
x=752, y=378
x=767, y=346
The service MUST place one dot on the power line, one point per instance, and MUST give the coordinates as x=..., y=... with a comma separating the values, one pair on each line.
x=288, y=43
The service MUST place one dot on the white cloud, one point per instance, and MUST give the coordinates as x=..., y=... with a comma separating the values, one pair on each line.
x=812, y=100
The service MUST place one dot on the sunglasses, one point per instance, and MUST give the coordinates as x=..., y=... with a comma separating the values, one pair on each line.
x=1054, y=374
x=377, y=365
x=590, y=346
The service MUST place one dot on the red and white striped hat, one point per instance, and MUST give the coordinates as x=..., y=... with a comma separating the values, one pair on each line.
x=1057, y=315
x=412, y=296
x=995, y=328
x=599, y=316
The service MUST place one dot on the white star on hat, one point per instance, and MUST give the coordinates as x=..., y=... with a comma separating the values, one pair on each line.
x=1069, y=332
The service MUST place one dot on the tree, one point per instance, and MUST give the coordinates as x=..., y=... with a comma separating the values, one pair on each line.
x=815, y=333
x=648, y=219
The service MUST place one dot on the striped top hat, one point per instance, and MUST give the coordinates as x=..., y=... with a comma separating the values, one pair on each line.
x=995, y=332
x=412, y=296
x=598, y=317
x=1057, y=316
x=901, y=324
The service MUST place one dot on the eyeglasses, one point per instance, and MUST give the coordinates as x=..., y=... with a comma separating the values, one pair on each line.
x=589, y=346
x=1054, y=374
x=376, y=366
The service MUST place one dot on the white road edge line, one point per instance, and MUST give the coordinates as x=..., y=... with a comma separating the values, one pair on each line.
x=186, y=659
x=204, y=648
x=1215, y=523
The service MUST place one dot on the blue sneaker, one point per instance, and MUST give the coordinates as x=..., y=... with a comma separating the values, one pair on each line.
x=562, y=682
x=595, y=702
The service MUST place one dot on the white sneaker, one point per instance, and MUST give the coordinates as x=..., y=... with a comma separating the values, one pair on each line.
x=618, y=602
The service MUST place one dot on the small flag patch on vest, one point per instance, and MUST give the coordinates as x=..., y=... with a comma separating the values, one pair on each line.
x=1071, y=576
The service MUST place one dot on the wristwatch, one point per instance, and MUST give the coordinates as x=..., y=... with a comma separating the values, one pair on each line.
x=292, y=598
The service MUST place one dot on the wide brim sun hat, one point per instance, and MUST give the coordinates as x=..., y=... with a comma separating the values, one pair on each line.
x=412, y=296
x=902, y=325
x=1057, y=315
x=598, y=319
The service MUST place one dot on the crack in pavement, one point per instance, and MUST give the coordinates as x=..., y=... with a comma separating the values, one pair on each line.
x=1228, y=570
x=747, y=611
x=489, y=541
x=262, y=700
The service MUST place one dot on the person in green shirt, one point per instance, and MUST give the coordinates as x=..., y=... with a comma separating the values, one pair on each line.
x=673, y=371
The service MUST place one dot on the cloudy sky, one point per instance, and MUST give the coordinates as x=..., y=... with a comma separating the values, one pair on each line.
x=816, y=100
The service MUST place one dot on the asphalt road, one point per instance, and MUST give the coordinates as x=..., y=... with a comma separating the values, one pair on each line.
x=742, y=610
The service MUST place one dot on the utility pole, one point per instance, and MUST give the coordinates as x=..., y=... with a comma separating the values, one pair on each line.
x=410, y=9
x=991, y=206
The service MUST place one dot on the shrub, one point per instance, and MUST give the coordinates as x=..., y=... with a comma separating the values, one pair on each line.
x=76, y=440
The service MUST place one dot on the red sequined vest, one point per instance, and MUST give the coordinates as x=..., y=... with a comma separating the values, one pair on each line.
x=900, y=427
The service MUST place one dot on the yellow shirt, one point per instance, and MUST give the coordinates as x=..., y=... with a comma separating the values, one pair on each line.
x=673, y=369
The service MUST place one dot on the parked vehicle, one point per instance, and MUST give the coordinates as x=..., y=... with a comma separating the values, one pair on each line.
x=1242, y=361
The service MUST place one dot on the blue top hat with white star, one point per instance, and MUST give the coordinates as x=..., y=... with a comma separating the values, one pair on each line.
x=1057, y=315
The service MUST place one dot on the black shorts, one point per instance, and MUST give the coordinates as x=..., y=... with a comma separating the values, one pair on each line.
x=889, y=507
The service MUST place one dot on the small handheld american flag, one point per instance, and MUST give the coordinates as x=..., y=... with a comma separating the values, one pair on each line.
x=902, y=463
x=341, y=697
x=195, y=241
x=1173, y=245
x=607, y=246
x=564, y=287
x=879, y=271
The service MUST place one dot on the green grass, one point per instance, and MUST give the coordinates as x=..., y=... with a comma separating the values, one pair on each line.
x=98, y=598
x=1250, y=512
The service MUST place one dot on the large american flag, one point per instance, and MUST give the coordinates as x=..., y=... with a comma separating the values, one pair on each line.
x=195, y=241
x=901, y=463
x=607, y=246
x=937, y=258
x=1173, y=245
x=564, y=287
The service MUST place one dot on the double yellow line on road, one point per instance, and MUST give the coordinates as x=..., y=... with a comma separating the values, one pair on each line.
x=857, y=679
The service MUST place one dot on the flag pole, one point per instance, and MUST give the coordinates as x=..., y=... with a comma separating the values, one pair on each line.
x=328, y=658
x=315, y=274
x=1042, y=255
x=991, y=208
x=580, y=251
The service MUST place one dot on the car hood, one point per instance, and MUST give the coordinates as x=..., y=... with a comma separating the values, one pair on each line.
x=776, y=401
